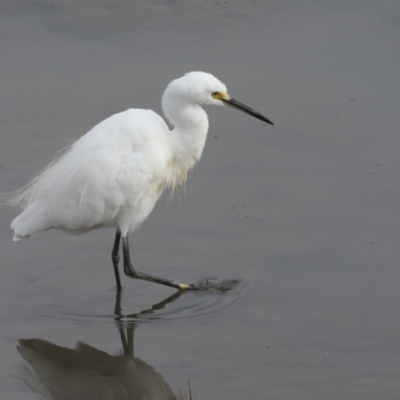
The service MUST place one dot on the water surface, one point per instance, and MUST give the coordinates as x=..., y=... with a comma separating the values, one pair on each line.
x=304, y=214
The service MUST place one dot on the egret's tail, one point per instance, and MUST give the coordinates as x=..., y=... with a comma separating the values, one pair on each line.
x=32, y=220
x=32, y=190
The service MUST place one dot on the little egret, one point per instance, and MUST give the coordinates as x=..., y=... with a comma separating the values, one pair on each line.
x=114, y=174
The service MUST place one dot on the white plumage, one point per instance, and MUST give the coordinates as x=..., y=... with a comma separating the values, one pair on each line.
x=114, y=174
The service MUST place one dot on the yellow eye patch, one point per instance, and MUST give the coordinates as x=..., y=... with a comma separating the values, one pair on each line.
x=221, y=96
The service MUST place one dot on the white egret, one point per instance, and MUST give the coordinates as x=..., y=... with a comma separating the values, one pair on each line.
x=114, y=174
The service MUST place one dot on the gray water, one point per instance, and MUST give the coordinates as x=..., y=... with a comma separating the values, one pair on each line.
x=304, y=214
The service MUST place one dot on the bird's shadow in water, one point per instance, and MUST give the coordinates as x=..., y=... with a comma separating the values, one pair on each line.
x=56, y=372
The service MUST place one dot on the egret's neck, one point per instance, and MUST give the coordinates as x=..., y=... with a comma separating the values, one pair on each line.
x=188, y=137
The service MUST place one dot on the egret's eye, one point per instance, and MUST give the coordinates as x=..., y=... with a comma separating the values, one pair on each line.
x=214, y=94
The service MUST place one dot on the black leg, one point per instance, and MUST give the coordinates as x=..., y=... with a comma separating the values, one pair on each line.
x=128, y=269
x=115, y=258
x=117, y=308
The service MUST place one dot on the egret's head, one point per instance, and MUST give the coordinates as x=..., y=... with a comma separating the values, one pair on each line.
x=200, y=88
x=197, y=88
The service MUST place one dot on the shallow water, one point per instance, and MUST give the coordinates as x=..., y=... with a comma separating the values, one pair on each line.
x=305, y=214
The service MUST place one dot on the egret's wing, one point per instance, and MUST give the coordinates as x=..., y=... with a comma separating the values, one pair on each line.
x=109, y=169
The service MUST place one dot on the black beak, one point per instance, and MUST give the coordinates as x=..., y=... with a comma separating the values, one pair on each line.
x=241, y=107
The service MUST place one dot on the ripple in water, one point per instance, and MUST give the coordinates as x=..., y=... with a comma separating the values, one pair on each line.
x=216, y=299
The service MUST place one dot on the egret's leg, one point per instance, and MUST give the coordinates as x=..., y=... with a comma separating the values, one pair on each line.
x=128, y=269
x=115, y=257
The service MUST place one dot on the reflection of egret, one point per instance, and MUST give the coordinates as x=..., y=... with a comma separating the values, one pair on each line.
x=148, y=312
x=113, y=175
x=56, y=372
